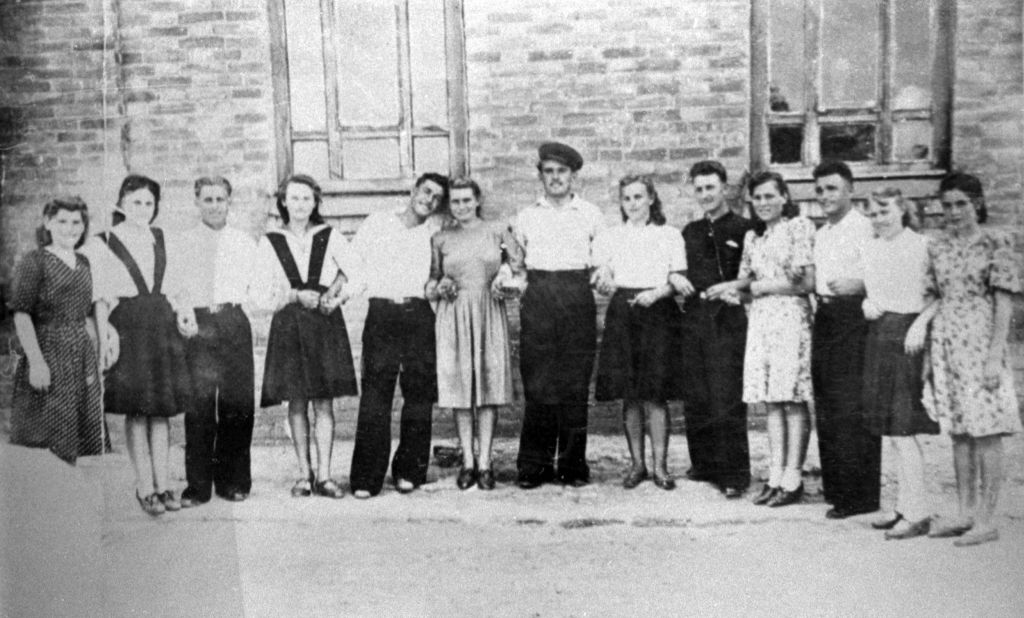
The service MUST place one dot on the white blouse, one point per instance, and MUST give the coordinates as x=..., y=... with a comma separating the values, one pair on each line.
x=270, y=286
x=640, y=257
x=896, y=272
x=110, y=276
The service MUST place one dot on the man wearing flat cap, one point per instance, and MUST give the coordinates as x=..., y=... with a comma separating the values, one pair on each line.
x=558, y=318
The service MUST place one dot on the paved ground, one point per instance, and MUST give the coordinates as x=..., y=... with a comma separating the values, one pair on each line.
x=78, y=545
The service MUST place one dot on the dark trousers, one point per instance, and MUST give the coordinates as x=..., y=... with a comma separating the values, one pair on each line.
x=557, y=347
x=398, y=346
x=714, y=341
x=218, y=432
x=850, y=455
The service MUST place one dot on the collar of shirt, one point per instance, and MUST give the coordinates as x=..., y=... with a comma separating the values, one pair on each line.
x=573, y=203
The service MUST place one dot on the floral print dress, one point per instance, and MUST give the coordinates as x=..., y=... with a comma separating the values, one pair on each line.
x=777, y=362
x=965, y=274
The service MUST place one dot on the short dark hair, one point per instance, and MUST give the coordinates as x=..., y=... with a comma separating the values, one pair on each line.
x=829, y=167
x=71, y=204
x=971, y=187
x=467, y=183
x=440, y=180
x=212, y=181
x=657, y=212
x=789, y=209
x=708, y=167
x=131, y=184
x=301, y=179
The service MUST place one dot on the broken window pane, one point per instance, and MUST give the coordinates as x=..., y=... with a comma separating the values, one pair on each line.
x=848, y=142
x=786, y=56
x=850, y=45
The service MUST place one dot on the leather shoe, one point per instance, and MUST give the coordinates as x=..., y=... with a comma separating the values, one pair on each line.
x=328, y=488
x=945, y=528
x=170, y=502
x=467, y=477
x=977, y=537
x=917, y=528
x=634, y=477
x=767, y=493
x=887, y=524
x=665, y=482
x=485, y=479
x=303, y=487
x=576, y=482
x=236, y=496
x=842, y=512
x=785, y=498
x=404, y=486
x=529, y=482
x=732, y=493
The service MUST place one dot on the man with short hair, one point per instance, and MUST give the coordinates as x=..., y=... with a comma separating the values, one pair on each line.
x=216, y=270
x=393, y=265
x=714, y=340
x=850, y=454
x=559, y=323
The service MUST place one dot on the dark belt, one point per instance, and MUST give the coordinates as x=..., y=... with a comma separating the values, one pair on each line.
x=217, y=308
x=839, y=300
x=398, y=300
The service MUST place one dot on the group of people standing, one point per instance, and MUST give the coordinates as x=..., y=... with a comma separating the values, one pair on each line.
x=866, y=318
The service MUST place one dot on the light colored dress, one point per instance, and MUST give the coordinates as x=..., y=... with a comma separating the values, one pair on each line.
x=474, y=365
x=966, y=273
x=777, y=362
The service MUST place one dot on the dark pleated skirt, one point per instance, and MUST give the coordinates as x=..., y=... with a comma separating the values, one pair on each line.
x=151, y=376
x=640, y=350
x=308, y=357
x=892, y=380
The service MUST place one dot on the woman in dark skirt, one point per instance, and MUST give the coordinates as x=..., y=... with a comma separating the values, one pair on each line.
x=636, y=263
x=899, y=309
x=150, y=381
x=56, y=400
x=309, y=359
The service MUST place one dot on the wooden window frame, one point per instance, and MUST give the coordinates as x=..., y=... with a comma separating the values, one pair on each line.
x=455, y=65
x=943, y=29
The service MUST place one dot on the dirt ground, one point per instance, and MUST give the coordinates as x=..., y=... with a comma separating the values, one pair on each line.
x=78, y=545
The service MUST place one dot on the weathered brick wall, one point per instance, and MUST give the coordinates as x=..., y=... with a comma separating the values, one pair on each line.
x=636, y=86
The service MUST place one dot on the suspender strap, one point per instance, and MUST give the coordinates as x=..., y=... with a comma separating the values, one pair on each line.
x=160, y=259
x=284, y=256
x=121, y=252
x=316, y=260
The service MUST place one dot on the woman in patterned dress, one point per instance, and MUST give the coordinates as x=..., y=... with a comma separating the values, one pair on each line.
x=975, y=272
x=309, y=359
x=474, y=366
x=777, y=269
x=150, y=382
x=56, y=402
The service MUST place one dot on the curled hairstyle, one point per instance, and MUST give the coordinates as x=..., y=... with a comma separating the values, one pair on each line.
x=886, y=194
x=301, y=179
x=657, y=216
x=50, y=210
x=708, y=167
x=789, y=209
x=465, y=183
x=131, y=184
x=970, y=185
x=212, y=181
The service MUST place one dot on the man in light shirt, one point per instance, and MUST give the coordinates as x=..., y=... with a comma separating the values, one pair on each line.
x=392, y=250
x=850, y=454
x=218, y=434
x=558, y=318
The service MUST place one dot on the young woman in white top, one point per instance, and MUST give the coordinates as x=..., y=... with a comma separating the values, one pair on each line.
x=638, y=263
x=309, y=359
x=899, y=308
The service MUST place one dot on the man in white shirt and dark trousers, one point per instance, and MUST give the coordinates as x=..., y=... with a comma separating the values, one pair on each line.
x=850, y=454
x=558, y=317
x=392, y=251
x=219, y=433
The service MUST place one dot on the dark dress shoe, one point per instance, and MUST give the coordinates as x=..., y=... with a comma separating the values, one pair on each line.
x=485, y=480
x=785, y=498
x=466, y=479
x=887, y=524
x=328, y=489
x=767, y=493
x=665, y=482
x=576, y=482
x=236, y=496
x=634, y=477
x=529, y=482
x=917, y=528
x=732, y=493
x=842, y=512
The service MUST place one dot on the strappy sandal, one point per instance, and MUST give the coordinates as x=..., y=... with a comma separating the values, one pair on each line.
x=151, y=504
x=303, y=487
x=328, y=489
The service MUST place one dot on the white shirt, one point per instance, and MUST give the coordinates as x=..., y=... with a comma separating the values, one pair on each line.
x=839, y=250
x=216, y=266
x=558, y=237
x=270, y=286
x=640, y=256
x=111, y=279
x=391, y=260
x=896, y=271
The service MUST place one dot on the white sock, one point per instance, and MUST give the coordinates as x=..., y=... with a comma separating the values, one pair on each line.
x=790, y=479
x=774, y=476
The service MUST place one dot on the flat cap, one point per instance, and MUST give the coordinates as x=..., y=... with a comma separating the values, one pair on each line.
x=566, y=155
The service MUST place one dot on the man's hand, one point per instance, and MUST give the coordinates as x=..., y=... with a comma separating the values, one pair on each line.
x=187, y=324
